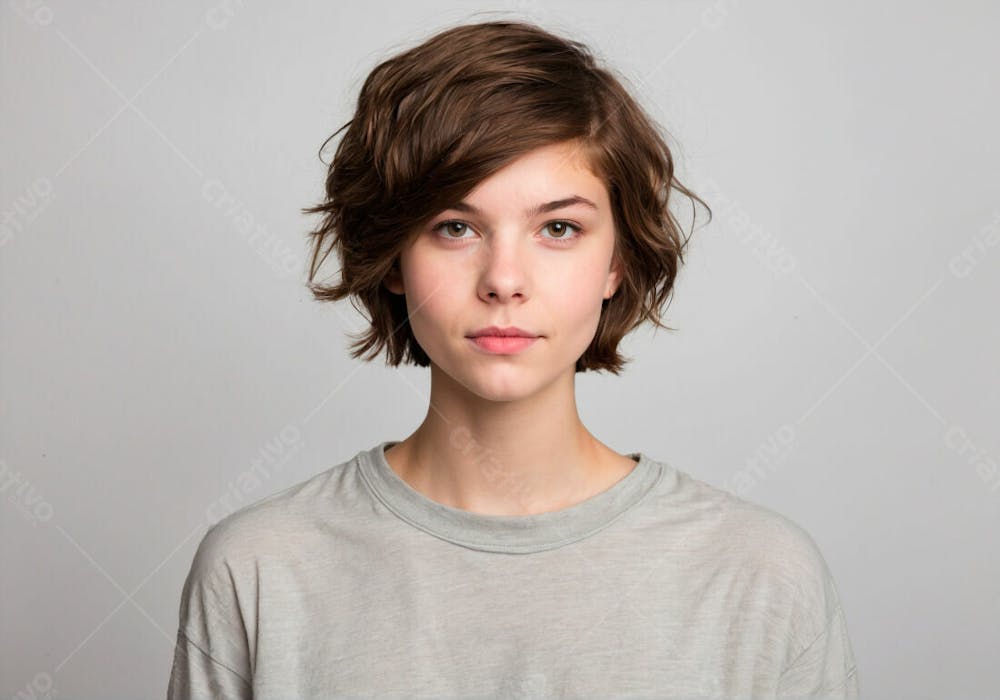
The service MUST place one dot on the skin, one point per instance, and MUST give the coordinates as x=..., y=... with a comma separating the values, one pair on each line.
x=502, y=434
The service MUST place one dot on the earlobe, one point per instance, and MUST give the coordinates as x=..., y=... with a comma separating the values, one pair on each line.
x=393, y=285
x=614, y=280
x=393, y=281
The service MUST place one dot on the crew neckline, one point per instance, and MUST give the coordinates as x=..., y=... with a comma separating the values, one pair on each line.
x=516, y=534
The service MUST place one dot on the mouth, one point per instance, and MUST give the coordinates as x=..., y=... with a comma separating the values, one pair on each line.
x=502, y=345
x=508, y=332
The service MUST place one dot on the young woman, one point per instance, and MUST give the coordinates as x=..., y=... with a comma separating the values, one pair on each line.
x=499, y=205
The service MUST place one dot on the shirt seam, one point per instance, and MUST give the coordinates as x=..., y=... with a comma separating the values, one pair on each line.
x=504, y=548
x=213, y=659
x=798, y=656
x=851, y=673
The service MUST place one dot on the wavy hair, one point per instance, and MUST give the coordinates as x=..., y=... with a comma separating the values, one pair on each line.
x=435, y=120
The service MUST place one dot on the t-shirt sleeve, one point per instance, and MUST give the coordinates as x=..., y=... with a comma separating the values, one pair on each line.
x=820, y=661
x=826, y=668
x=212, y=656
x=197, y=674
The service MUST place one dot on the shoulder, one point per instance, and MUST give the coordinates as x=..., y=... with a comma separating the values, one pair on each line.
x=777, y=542
x=774, y=557
x=219, y=604
x=758, y=539
x=269, y=528
x=783, y=552
x=762, y=566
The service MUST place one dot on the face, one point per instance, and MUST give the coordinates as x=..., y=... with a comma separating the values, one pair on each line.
x=493, y=261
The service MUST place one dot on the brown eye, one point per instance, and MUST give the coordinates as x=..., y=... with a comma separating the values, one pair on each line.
x=564, y=228
x=448, y=227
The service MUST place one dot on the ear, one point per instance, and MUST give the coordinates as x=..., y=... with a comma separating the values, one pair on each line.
x=394, y=279
x=614, y=278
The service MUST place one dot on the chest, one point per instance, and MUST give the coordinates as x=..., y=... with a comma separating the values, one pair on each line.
x=476, y=626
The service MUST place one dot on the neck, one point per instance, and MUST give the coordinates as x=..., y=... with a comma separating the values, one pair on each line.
x=531, y=455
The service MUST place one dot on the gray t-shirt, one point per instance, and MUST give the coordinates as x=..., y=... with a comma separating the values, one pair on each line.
x=354, y=584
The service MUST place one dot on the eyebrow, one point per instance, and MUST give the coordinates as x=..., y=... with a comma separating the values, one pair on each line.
x=535, y=210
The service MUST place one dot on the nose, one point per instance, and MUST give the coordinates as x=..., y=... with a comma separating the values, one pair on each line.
x=504, y=273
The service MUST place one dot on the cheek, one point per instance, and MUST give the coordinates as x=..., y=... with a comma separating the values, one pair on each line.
x=574, y=303
x=578, y=289
x=432, y=291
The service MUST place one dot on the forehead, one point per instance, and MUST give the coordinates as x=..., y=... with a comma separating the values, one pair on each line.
x=544, y=170
x=562, y=157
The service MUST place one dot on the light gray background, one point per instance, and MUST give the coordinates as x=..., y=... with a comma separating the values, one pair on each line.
x=837, y=324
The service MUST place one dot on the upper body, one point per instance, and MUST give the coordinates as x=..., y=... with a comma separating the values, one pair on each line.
x=509, y=187
x=353, y=584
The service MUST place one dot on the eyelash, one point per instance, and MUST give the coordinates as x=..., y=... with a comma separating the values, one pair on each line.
x=558, y=241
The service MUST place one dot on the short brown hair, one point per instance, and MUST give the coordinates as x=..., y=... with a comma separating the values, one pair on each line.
x=435, y=120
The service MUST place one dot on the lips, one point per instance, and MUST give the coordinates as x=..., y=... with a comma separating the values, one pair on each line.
x=507, y=332
x=502, y=345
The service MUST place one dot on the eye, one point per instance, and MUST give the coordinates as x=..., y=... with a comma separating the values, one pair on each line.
x=557, y=226
x=565, y=237
x=448, y=226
